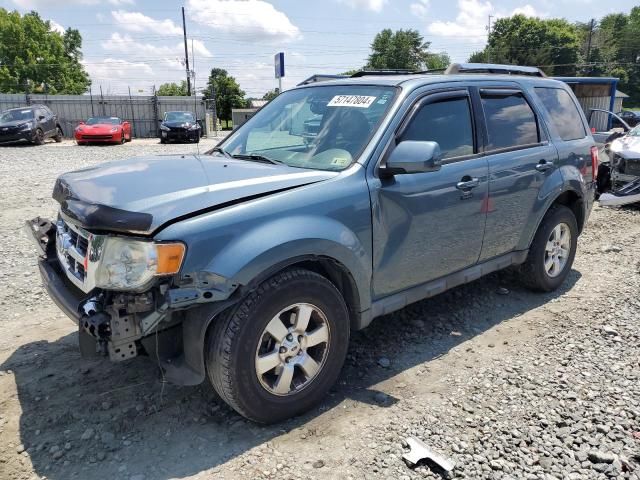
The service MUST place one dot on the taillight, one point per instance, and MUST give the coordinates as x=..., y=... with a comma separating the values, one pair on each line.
x=594, y=162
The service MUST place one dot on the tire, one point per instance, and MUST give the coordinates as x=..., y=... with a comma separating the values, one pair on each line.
x=122, y=139
x=38, y=138
x=82, y=144
x=534, y=273
x=238, y=338
x=163, y=141
x=59, y=135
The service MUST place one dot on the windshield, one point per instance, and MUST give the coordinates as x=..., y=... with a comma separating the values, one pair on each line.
x=634, y=132
x=15, y=115
x=179, y=117
x=319, y=127
x=108, y=120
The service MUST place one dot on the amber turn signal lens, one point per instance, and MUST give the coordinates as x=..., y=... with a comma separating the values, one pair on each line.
x=170, y=257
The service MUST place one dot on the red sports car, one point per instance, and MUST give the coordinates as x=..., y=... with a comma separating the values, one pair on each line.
x=103, y=130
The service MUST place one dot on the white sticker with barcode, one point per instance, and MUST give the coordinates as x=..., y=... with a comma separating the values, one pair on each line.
x=358, y=101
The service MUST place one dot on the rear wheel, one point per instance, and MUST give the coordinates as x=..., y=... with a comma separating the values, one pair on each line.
x=59, y=135
x=552, y=250
x=122, y=139
x=278, y=353
x=38, y=138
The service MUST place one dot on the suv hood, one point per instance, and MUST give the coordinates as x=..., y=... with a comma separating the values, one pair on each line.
x=142, y=194
x=15, y=123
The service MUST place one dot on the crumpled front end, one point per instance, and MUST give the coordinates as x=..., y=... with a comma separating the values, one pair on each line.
x=124, y=323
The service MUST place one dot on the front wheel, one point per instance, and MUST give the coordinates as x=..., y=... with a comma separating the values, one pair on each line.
x=277, y=354
x=38, y=138
x=552, y=250
x=59, y=135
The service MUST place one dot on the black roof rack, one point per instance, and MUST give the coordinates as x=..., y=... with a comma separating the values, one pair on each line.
x=377, y=73
x=494, y=68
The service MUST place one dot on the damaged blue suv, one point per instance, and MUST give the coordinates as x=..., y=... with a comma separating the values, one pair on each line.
x=252, y=263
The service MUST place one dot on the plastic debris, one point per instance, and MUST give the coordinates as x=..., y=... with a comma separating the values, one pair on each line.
x=420, y=451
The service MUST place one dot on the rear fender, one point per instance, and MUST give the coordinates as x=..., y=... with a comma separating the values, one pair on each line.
x=563, y=179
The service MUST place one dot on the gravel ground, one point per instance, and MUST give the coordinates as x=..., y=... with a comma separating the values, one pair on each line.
x=507, y=383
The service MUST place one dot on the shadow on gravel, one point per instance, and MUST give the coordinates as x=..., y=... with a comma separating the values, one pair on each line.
x=101, y=420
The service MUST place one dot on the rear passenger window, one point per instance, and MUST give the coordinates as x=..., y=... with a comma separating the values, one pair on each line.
x=510, y=120
x=563, y=112
x=447, y=122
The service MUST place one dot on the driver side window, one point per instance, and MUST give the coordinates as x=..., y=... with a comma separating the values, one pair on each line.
x=447, y=122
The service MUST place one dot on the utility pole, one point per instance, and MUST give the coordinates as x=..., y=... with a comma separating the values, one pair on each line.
x=186, y=53
x=489, y=39
x=592, y=25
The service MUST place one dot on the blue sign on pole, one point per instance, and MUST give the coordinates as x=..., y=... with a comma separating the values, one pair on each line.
x=279, y=64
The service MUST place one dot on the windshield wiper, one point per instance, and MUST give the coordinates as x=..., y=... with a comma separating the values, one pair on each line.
x=222, y=151
x=256, y=158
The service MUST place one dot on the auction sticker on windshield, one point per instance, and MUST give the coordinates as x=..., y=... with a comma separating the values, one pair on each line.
x=358, y=101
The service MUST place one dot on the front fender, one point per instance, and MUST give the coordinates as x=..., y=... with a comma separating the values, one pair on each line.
x=279, y=241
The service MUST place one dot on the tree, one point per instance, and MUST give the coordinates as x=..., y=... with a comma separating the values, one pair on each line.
x=173, y=89
x=227, y=92
x=615, y=51
x=551, y=44
x=403, y=50
x=270, y=95
x=33, y=58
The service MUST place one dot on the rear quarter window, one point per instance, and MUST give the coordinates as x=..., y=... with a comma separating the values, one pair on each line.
x=563, y=112
x=510, y=120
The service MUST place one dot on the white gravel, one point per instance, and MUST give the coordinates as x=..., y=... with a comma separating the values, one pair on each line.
x=507, y=383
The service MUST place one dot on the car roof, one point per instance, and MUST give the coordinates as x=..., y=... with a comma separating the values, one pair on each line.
x=412, y=81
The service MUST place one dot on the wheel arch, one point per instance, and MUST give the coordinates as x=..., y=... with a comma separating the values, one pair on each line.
x=198, y=322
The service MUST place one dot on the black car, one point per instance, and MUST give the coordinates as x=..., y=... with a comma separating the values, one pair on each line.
x=33, y=124
x=630, y=116
x=179, y=127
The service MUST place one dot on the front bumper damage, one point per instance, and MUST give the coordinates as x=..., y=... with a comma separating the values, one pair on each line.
x=168, y=323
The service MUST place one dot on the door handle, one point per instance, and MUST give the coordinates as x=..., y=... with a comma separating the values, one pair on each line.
x=467, y=183
x=544, y=165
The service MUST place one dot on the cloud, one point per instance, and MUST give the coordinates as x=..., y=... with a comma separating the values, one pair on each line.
x=255, y=19
x=125, y=44
x=30, y=4
x=373, y=5
x=470, y=21
x=116, y=68
x=420, y=9
x=472, y=18
x=138, y=22
x=56, y=27
x=116, y=76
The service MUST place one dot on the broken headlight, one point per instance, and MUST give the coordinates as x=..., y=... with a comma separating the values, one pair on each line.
x=133, y=264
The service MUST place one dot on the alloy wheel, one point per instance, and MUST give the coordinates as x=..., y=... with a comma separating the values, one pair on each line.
x=557, y=250
x=292, y=349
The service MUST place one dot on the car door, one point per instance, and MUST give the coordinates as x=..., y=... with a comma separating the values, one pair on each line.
x=520, y=158
x=48, y=122
x=427, y=225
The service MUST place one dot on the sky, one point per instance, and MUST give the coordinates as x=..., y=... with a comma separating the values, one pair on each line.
x=139, y=43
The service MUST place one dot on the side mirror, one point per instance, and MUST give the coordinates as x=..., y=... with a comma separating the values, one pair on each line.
x=81, y=123
x=413, y=157
x=40, y=117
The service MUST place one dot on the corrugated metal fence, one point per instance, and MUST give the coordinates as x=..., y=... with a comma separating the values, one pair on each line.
x=142, y=111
